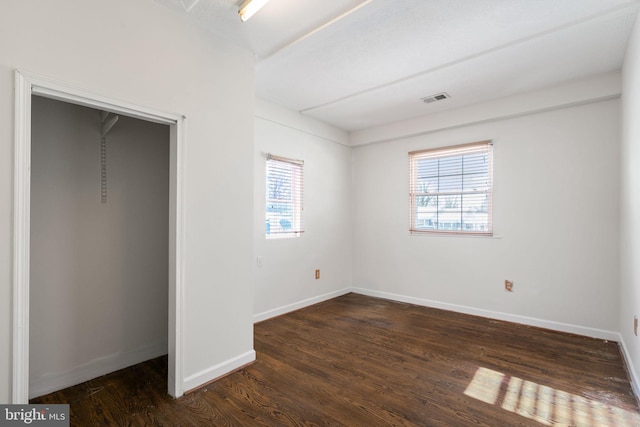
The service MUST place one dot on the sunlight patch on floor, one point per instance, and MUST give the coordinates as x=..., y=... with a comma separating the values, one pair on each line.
x=544, y=404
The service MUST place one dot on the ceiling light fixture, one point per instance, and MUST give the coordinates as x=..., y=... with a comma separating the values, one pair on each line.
x=249, y=7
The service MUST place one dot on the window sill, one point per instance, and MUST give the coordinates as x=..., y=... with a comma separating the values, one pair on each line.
x=455, y=235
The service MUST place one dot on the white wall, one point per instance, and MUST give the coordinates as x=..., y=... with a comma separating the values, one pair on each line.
x=286, y=279
x=99, y=271
x=555, y=219
x=142, y=53
x=630, y=206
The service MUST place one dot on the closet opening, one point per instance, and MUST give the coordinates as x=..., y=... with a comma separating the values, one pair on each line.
x=97, y=238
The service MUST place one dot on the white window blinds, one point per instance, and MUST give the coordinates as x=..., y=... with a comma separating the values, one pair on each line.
x=284, y=212
x=451, y=189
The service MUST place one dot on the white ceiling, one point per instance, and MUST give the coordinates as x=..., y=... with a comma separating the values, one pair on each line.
x=357, y=64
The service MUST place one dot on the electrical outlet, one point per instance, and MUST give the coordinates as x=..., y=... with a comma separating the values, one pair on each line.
x=635, y=325
x=259, y=261
x=317, y=274
x=508, y=286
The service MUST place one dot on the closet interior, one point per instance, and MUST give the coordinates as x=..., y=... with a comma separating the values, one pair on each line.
x=99, y=243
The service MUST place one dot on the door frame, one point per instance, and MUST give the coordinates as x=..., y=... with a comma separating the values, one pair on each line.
x=26, y=85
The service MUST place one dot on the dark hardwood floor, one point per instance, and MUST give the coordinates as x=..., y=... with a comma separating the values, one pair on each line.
x=361, y=361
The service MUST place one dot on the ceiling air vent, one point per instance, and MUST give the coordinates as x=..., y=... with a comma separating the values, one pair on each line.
x=437, y=97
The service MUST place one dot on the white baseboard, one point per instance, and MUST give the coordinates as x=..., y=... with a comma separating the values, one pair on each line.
x=54, y=381
x=221, y=369
x=298, y=305
x=531, y=321
x=628, y=360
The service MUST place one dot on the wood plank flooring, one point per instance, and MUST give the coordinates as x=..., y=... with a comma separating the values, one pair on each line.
x=362, y=361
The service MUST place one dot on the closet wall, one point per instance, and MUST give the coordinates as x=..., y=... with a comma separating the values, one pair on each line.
x=99, y=279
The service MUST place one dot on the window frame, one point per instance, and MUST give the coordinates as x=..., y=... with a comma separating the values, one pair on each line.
x=296, y=170
x=450, y=152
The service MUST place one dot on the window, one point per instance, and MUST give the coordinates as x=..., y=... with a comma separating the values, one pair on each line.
x=284, y=197
x=450, y=190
